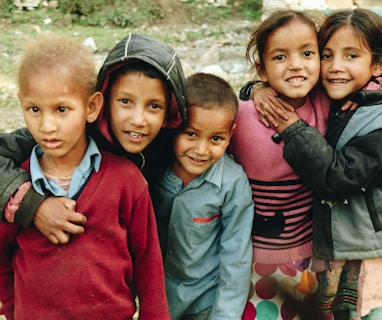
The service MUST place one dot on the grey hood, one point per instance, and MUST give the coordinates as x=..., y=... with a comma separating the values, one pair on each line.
x=159, y=55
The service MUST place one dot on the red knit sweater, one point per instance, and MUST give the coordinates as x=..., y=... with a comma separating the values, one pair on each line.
x=90, y=277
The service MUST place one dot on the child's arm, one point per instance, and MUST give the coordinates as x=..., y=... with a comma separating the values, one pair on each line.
x=236, y=252
x=333, y=174
x=147, y=261
x=52, y=219
x=272, y=109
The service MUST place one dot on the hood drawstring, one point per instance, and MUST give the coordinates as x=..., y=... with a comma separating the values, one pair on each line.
x=143, y=161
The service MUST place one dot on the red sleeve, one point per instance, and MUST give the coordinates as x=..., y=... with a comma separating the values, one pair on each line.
x=147, y=260
x=8, y=234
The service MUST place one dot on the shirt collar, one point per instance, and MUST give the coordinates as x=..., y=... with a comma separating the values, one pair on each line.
x=91, y=161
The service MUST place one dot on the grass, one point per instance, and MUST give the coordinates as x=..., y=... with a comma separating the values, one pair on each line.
x=13, y=38
x=20, y=26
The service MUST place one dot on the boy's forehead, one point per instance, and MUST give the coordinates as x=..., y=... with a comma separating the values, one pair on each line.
x=209, y=116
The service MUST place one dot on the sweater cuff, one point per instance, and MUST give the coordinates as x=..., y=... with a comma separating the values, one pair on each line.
x=289, y=132
x=28, y=207
x=246, y=91
x=14, y=202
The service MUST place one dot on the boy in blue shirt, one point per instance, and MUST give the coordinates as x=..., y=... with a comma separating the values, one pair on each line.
x=205, y=210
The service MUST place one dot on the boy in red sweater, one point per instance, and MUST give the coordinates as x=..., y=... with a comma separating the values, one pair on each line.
x=96, y=274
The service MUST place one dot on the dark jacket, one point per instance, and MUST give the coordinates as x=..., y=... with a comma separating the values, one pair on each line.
x=345, y=172
x=16, y=147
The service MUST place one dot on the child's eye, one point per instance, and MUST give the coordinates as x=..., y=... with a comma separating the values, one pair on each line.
x=308, y=53
x=34, y=109
x=190, y=133
x=325, y=57
x=352, y=55
x=280, y=57
x=125, y=101
x=155, y=106
x=216, y=138
x=61, y=109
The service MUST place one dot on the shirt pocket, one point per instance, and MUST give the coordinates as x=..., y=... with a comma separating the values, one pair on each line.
x=203, y=228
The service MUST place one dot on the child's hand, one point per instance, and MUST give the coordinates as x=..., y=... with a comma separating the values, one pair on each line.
x=267, y=103
x=275, y=112
x=56, y=219
x=349, y=105
x=278, y=123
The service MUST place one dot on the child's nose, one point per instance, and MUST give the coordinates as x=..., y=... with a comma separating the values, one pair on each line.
x=295, y=63
x=201, y=147
x=336, y=65
x=48, y=124
x=138, y=117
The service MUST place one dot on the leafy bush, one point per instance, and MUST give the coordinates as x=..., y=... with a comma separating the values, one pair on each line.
x=127, y=13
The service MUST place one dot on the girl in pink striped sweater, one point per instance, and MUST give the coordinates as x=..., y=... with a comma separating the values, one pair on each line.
x=282, y=230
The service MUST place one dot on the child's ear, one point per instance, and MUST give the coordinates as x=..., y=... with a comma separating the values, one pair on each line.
x=262, y=74
x=95, y=103
x=164, y=122
x=232, y=130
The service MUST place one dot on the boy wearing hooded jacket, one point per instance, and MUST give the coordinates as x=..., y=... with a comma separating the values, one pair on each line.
x=141, y=132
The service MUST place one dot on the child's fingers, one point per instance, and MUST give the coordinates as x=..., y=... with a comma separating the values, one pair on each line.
x=349, y=105
x=268, y=119
x=75, y=223
x=59, y=238
x=280, y=108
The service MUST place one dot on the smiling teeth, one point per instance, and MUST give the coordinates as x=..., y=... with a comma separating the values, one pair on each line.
x=294, y=80
x=338, y=81
x=135, y=135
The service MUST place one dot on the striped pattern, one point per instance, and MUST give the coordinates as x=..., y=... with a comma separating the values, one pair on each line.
x=287, y=204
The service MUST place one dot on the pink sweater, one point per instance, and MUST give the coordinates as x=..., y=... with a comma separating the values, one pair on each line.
x=283, y=221
x=90, y=277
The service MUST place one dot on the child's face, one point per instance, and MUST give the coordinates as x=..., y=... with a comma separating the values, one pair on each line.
x=203, y=142
x=291, y=61
x=56, y=108
x=346, y=64
x=137, y=110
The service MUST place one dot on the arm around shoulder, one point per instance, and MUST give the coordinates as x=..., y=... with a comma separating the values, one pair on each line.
x=15, y=148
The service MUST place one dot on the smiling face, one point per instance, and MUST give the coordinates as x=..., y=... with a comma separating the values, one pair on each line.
x=202, y=142
x=346, y=64
x=291, y=61
x=138, y=109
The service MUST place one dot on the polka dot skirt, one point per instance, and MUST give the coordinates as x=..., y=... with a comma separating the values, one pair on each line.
x=281, y=291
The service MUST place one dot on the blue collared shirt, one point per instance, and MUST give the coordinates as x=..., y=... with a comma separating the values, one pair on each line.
x=91, y=161
x=205, y=232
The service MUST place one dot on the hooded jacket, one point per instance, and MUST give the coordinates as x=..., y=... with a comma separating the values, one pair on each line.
x=15, y=148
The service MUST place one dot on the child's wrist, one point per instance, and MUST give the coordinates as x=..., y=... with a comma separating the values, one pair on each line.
x=256, y=84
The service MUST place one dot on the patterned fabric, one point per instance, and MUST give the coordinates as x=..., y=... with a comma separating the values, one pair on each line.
x=337, y=287
x=282, y=292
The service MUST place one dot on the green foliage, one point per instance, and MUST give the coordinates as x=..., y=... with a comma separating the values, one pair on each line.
x=121, y=13
x=250, y=9
x=201, y=10
x=126, y=13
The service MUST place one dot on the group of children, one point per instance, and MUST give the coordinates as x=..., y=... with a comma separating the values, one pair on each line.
x=121, y=185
